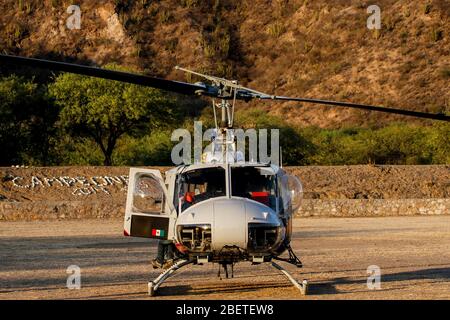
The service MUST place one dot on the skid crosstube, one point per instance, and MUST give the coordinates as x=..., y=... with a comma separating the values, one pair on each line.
x=155, y=284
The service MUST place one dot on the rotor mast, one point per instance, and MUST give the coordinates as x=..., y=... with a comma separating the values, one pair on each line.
x=227, y=91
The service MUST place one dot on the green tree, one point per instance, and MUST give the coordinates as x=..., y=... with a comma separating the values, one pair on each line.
x=27, y=118
x=151, y=149
x=105, y=110
x=438, y=142
x=397, y=143
x=296, y=149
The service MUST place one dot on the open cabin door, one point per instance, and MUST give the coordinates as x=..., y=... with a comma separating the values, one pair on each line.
x=149, y=212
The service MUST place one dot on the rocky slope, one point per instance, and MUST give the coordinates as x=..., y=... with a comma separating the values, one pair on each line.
x=318, y=48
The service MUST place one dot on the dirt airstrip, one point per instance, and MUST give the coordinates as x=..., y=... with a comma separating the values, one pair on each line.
x=412, y=253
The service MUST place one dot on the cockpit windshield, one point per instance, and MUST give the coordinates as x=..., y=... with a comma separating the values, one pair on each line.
x=199, y=185
x=255, y=183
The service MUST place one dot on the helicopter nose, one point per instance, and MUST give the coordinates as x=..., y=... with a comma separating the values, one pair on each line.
x=230, y=224
x=222, y=222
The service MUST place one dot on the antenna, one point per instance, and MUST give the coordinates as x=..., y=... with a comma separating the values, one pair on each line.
x=281, y=157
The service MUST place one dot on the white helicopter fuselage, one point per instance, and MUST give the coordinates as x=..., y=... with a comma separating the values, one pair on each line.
x=214, y=212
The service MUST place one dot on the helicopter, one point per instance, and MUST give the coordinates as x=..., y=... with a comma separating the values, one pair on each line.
x=223, y=209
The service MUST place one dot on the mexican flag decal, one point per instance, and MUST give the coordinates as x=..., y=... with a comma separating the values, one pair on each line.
x=158, y=233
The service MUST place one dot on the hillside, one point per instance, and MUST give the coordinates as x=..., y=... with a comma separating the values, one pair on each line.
x=318, y=48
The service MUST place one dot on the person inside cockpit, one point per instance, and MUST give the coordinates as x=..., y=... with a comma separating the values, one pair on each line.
x=199, y=185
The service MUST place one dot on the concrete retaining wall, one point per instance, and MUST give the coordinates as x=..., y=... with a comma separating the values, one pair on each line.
x=46, y=210
x=373, y=207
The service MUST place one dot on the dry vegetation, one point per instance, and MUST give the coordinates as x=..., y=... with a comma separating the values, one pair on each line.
x=297, y=47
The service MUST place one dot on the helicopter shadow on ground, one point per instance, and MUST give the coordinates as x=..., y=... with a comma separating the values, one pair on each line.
x=192, y=290
x=433, y=275
x=320, y=288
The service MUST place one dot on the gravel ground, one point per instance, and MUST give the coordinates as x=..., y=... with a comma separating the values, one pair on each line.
x=412, y=252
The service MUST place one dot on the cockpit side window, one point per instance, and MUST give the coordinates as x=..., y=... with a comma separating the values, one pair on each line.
x=199, y=185
x=255, y=184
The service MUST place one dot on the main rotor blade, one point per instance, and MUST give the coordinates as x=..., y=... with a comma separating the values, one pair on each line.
x=417, y=114
x=197, y=89
x=168, y=85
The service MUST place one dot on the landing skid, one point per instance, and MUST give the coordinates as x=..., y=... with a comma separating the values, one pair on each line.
x=155, y=284
x=293, y=259
x=303, y=287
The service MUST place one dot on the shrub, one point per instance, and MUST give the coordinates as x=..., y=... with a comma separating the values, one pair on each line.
x=189, y=3
x=445, y=73
x=165, y=16
x=437, y=35
x=276, y=29
x=154, y=149
x=71, y=151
